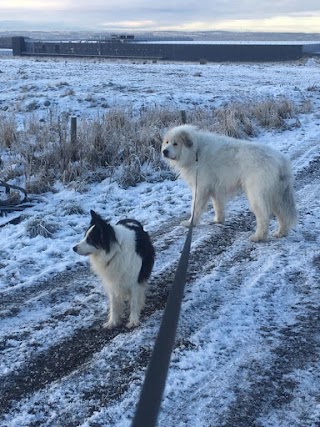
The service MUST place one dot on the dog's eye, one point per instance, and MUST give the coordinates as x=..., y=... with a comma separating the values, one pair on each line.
x=175, y=144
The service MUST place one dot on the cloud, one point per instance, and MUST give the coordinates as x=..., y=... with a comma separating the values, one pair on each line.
x=275, y=24
x=33, y=5
x=130, y=25
x=276, y=15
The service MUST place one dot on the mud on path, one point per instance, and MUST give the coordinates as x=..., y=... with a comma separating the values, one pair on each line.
x=85, y=354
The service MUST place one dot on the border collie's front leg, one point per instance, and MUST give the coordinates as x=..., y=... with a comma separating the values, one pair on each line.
x=136, y=304
x=115, y=311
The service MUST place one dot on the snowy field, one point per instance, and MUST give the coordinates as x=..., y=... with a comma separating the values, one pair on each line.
x=248, y=346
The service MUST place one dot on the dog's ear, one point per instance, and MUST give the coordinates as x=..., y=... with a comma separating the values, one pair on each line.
x=185, y=138
x=95, y=218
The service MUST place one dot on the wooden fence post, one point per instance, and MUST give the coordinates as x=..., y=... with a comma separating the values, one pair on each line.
x=73, y=138
x=183, y=116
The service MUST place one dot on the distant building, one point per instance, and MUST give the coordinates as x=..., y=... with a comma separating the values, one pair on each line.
x=125, y=46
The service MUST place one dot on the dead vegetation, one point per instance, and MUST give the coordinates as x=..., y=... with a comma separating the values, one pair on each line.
x=120, y=144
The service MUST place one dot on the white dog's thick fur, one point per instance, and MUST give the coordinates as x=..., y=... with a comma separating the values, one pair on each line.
x=122, y=255
x=225, y=165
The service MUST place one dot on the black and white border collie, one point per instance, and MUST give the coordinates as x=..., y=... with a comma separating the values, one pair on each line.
x=122, y=255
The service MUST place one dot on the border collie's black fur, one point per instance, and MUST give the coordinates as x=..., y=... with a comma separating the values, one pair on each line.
x=143, y=247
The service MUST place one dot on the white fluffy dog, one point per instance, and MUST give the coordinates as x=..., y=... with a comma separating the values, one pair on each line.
x=221, y=166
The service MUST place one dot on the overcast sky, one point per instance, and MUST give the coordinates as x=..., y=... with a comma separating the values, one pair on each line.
x=146, y=15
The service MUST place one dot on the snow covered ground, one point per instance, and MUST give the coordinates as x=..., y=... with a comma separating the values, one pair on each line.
x=248, y=346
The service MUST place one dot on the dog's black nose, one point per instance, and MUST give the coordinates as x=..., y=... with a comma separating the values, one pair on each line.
x=75, y=248
x=165, y=153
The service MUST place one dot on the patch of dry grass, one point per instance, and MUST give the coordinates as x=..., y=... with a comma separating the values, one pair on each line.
x=119, y=144
x=39, y=227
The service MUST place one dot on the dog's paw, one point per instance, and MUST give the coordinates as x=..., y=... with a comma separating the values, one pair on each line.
x=110, y=324
x=257, y=238
x=278, y=234
x=218, y=220
x=186, y=223
x=132, y=324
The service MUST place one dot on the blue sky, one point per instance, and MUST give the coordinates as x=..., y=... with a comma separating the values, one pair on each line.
x=187, y=15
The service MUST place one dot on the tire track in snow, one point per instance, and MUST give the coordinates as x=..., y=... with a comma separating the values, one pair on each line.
x=271, y=386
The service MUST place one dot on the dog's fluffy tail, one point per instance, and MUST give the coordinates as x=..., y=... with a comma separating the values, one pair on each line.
x=285, y=206
x=289, y=206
